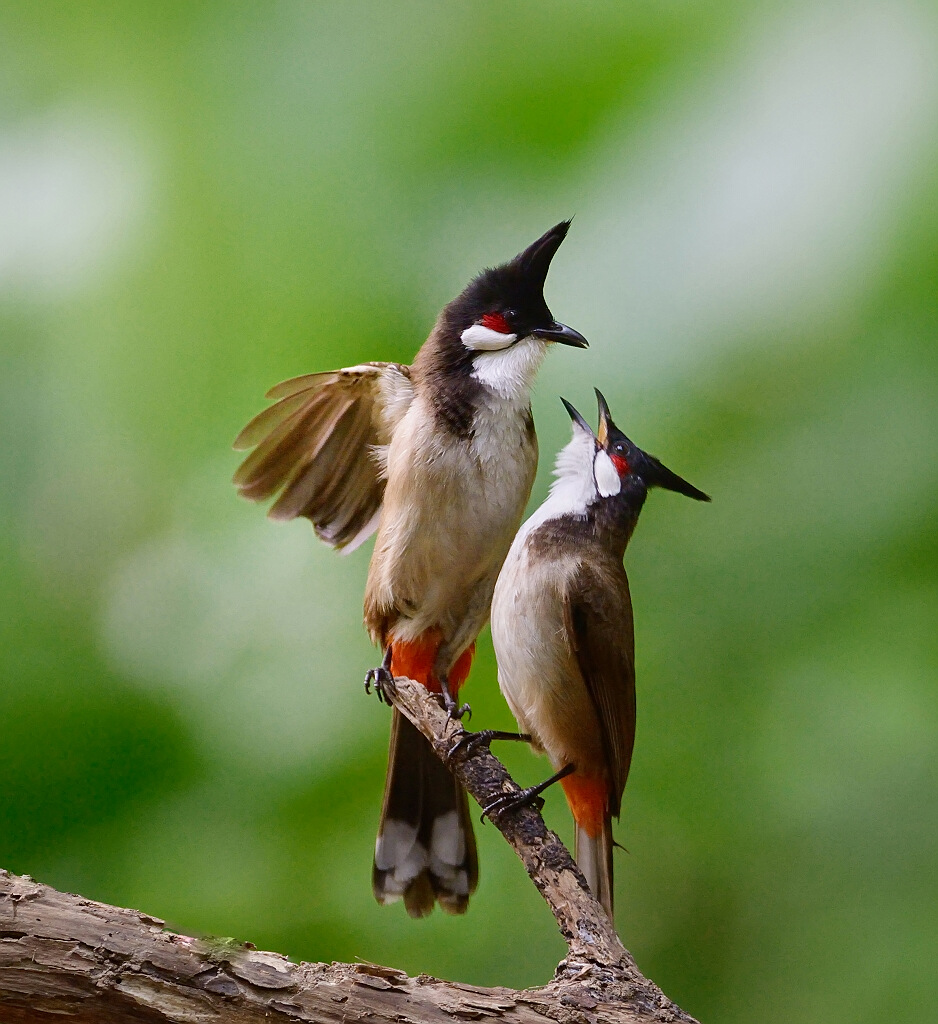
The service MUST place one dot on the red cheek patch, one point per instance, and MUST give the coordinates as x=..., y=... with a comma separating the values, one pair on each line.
x=622, y=466
x=496, y=322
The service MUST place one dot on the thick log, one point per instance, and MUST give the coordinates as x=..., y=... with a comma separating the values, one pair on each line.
x=68, y=959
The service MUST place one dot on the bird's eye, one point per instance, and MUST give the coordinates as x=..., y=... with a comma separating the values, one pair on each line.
x=620, y=447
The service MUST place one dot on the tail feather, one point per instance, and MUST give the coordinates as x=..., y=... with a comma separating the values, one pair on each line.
x=425, y=851
x=594, y=858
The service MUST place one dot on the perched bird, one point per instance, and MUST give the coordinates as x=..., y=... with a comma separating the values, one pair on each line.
x=562, y=629
x=439, y=459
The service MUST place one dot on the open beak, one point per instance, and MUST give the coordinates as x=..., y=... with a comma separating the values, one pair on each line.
x=654, y=472
x=605, y=419
x=562, y=334
x=578, y=419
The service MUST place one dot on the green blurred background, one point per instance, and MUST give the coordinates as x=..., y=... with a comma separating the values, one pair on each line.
x=200, y=199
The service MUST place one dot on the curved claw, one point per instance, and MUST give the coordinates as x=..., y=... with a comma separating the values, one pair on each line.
x=512, y=802
x=468, y=742
x=383, y=682
x=455, y=711
x=462, y=742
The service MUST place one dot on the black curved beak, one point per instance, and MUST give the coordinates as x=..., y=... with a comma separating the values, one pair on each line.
x=562, y=334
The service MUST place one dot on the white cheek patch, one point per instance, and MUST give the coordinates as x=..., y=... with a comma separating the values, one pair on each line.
x=484, y=339
x=606, y=474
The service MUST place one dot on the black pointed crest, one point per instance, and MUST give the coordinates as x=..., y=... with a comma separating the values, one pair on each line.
x=515, y=291
x=534, y=262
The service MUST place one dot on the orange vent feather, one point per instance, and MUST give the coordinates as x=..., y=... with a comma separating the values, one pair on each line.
x=589, y=801
x=415, y=659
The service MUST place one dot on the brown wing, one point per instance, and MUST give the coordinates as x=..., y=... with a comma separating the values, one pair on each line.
x=315, y=448
x=598, y=619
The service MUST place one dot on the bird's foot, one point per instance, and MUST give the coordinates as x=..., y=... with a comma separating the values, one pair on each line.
x=454, y=710
x=383, y=682
x=469, y=742
x=509, y=802
x=530, y=797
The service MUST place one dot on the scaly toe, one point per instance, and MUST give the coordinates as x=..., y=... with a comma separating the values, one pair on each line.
x=512, y=802
x=463, y=742
x=469, y=742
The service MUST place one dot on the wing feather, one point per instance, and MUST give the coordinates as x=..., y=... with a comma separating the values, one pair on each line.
x=598, y=620
x=262, y=427
x=306, y=381
x=275, y=458
x=314, y=448
x=320, y=468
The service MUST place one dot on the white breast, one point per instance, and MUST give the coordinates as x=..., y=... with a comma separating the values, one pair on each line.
x=451, y=509
x=531, y=644
x=537, y=671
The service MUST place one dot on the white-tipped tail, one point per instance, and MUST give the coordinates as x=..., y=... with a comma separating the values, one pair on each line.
x=425, y=852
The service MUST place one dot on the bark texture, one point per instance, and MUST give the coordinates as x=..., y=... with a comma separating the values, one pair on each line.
x=69, y=959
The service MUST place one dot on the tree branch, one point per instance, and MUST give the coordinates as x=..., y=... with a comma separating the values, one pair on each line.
x=63, y=957
x=590, y=936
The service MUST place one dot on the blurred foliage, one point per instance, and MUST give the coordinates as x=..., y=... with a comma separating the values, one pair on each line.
x=197, y=200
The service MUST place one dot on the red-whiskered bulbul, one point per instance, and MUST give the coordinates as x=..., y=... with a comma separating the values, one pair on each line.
x=562, y=629
x=439, y=458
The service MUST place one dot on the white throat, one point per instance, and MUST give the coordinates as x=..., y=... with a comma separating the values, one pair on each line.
x=510, y=372
x=574, y=488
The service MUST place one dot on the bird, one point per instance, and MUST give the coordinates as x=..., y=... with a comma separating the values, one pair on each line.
x=563, y=634
x=438, y=459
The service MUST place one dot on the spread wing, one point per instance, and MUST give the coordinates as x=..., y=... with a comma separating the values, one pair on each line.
x=598, y=620
x=316, y=448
